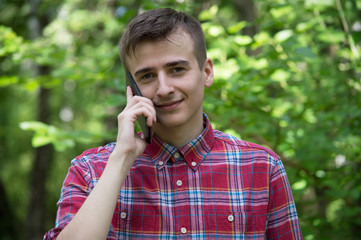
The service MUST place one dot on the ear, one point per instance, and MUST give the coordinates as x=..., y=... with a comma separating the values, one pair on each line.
x=208, y=72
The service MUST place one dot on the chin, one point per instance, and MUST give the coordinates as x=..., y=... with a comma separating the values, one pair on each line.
x=171, y=121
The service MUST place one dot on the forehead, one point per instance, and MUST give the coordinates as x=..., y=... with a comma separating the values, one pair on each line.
x=178, y=45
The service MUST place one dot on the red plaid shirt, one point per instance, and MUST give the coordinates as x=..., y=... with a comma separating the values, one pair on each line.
x=217, y=186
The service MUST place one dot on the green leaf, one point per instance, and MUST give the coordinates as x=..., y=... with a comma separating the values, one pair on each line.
x=283, y=35
x=41, y=140
x=34, y=126
x=281, y=11
x=318, y=3
x=237, y=27
x=243, y=40
x=215, y=31
x=62, y=140
x=8, y=80
x=300, y=185
x=261, y=39
x=9, y=41
x=331, y=36
x=208, y=14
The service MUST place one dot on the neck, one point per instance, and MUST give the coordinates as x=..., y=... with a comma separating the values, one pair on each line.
x=180, y=135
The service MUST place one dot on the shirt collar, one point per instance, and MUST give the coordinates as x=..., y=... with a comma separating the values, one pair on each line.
x=193, y=152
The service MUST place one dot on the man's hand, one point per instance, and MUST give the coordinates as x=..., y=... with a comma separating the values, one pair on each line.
x=128, y=141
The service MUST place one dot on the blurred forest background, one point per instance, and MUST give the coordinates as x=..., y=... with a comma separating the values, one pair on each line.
x=287, y=76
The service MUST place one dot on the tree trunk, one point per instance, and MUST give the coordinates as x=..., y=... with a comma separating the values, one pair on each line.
x=7, y=217
x=34, y=223
x=248, y=12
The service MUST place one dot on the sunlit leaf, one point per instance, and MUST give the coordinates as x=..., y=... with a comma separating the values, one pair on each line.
x=237, y=27
x=41, y=140
x=9, y=41
x=261, y=63
x=243, y=40
x=281, y=11
x=309, y=116
x=333, y=209
x=283, y=35
x=208, y=14
x=261, y=39
x=300, y=185
x=34, y=126
x=215, y=31
x=332, y=36
x=8, y=80
x=318, y=3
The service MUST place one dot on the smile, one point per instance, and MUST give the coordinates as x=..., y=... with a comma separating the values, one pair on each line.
x=168, y=106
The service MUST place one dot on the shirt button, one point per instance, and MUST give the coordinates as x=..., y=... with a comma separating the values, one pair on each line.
x=183, y=230
x=123, y=215
x=179, y=183
x=194, y=164
x=176, y=155
x=161, y=163
x=230, y=218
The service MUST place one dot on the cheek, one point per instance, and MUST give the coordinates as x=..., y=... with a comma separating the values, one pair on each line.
x=195, y=93
x=147, y=91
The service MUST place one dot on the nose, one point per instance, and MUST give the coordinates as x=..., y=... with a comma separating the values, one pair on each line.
x=165, y=86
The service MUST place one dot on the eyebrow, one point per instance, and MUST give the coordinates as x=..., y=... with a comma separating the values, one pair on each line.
x=143, y=70
x=170, y=64
x=179, y=62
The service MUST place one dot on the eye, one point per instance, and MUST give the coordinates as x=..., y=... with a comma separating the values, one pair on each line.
x=177, y=70
x=147, y=76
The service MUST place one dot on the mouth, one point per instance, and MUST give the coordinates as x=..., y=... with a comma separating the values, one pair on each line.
x=168, y=106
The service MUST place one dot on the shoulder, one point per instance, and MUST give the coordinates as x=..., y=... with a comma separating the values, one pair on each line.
x=89, y=166
x=237, y=144
x=95, y=154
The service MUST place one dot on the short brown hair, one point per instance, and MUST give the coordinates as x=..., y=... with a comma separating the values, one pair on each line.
x=158, y=25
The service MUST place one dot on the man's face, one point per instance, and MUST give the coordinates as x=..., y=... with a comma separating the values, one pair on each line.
x=168, y=73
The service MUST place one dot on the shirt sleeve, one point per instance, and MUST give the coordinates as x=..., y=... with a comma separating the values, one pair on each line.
x=74, y=191
x=282, y=221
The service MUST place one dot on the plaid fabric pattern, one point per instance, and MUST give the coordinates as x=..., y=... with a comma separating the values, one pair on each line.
x=215, y=187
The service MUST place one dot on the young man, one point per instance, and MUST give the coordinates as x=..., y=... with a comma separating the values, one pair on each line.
x=191, y=181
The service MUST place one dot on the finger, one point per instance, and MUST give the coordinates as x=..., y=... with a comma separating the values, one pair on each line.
x=140, y=102
x=142, y=110
x=148, y=111
x=129, y=94
x=153, y=116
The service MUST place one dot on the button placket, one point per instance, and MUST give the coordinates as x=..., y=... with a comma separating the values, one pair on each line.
x=180, y=182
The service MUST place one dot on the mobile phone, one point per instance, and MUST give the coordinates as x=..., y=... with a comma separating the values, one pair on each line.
x=142, y=121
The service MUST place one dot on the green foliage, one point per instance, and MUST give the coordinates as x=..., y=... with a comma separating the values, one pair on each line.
x=62, y=140
x=294, y=86
x=10, y=42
